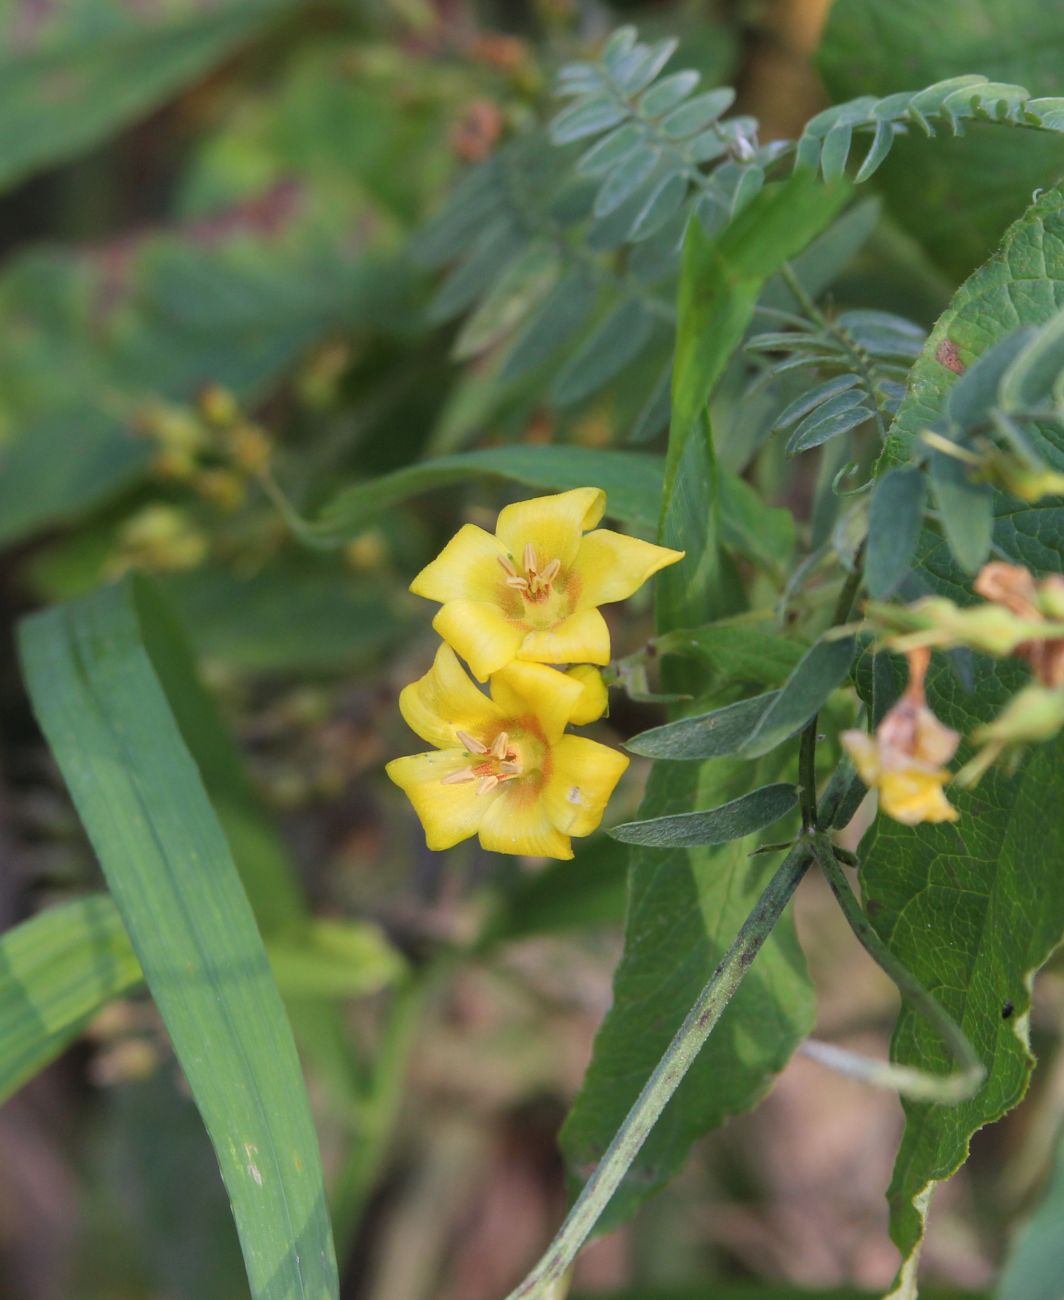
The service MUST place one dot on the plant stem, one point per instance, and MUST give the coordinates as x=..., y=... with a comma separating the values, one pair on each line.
x=916, y=1084
x=667, y=1076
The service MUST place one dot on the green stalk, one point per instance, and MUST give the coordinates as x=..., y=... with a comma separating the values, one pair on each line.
x=918, y=1085
x=667, y=1076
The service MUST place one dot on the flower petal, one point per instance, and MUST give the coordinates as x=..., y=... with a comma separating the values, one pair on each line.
x=550, y=696
x=517, y=822
x=610, y=566
x=552, y=525
x=584, y=776
x=913, y=797
x=445, y=701
x=582, y=638
x=481, y=633
x=594, y=698
x=449, y=813
x=467, y=568
x=864, y=753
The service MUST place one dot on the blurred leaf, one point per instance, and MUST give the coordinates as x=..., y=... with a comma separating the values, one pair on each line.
x=720, y=282
x=763, y=1291
x=895, y=519
x=731, y=821
x=56, y=971
x=611, y=346
x=288, y=617
x=759, y=531
x=955, y=195
x=74, y=71
x=740, y=650
x=91, y=336
x=334, y=959
x=631, y=481
x=966, y=509
x=822, y=669
x=563, y=896
x=169, y=868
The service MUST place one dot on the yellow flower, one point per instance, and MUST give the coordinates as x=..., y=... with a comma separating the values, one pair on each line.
x=531, y=591
x=502, y=767
x=905, y=759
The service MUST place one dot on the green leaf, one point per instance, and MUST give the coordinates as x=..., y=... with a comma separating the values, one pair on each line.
x=631, y=480
x=739, y=650
x=721, y=279
x=822, y=669
x=612, y=345
x=308, y=619
x=76, y=72
x=279, y=261
x=717, y=734
x=812, y=398
x=527, y=280
x=987, y=308
x=976, y=392
x=563, y=896
x=334, y=959
x=973, y=881
x=731, y=821
x=56, y=971
x=105, y=713
x=560, y=315
x=895, y=519
x=954, y=195
x=966, y=508
x=838, y=415
x=688, y=903
x=1029, y=383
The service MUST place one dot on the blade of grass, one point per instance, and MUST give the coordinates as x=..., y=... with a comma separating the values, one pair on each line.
x=104, y=711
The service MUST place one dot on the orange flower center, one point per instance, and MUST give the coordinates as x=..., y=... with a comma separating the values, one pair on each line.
x=506, y=758
x=535, y=581
x=493, y=763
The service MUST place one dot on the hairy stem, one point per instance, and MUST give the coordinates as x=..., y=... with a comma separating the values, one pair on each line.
x=667, y=1076
x=916, y=1084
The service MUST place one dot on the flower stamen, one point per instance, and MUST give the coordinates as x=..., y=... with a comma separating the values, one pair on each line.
x=487, y=783
x=500, y=746
x=470, y=743
x=457, y=778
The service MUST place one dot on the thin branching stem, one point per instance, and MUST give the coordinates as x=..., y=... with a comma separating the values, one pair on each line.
x=919, y=1085
x=668, y=1074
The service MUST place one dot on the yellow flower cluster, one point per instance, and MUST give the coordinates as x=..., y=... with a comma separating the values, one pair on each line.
x=514, y=604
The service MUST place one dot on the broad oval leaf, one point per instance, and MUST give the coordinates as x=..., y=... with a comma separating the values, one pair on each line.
x=731, y=821
x=698, y=113
x=668, y=93
x=966, y=508
x=1030, y=382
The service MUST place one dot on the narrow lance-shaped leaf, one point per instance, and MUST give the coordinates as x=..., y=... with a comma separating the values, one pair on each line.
x=170, y=871
x=894, y=522
x=56, y=971
x=823, y=668
x=731, y=821
x=706, y=735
